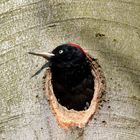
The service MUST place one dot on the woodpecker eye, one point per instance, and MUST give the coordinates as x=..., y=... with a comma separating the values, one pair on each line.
x=61, y=51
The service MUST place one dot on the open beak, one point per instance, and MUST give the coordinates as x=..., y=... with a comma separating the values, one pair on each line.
x=43, y=54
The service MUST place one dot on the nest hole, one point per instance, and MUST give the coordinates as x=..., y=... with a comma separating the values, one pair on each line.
x=73, y=117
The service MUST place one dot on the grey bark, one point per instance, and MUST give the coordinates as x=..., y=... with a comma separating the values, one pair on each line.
x=108, y=29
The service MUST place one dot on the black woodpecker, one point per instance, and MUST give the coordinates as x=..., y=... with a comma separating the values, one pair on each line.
x=72, y=80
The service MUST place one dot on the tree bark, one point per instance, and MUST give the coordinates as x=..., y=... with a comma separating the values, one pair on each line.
x=109, y=30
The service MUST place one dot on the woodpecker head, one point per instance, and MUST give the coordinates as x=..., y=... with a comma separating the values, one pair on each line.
x=64, y=56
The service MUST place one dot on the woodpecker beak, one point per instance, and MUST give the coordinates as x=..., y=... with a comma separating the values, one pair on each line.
x=43, y=54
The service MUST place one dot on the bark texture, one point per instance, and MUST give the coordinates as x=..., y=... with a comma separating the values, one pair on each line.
x=108, y=29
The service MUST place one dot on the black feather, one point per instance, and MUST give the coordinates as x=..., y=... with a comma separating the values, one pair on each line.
x=46, y=65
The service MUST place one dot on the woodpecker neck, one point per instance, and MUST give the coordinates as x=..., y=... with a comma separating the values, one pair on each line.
x=70, y=75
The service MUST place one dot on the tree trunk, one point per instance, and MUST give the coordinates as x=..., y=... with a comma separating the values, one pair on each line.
x=109, y=30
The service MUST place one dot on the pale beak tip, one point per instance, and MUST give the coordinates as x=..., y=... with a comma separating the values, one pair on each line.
x=45, y=55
